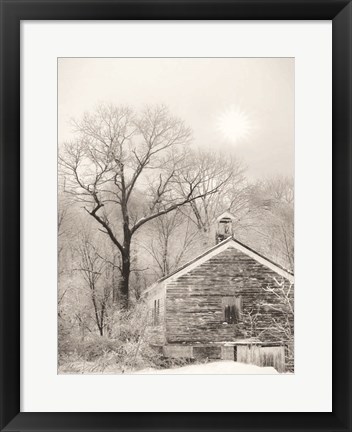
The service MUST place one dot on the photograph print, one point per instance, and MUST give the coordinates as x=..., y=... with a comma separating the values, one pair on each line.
x=175, y=215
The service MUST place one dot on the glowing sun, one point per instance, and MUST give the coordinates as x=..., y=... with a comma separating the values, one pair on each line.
x=234, y=124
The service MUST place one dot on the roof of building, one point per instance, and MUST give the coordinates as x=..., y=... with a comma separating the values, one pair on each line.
x=225, y=215
x=218, y=248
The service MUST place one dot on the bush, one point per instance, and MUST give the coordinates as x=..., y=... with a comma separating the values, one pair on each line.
x=126, y=348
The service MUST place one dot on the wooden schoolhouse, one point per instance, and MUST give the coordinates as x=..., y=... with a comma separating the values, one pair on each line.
x=229, y=303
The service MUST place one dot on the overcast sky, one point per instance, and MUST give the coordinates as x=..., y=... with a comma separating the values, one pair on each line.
x=246, y=105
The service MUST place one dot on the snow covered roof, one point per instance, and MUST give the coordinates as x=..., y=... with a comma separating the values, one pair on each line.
x=225, y=215
x=220, y=247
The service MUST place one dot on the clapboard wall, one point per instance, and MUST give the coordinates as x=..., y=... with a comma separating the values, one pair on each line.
x=193, y=302
x=156, y=330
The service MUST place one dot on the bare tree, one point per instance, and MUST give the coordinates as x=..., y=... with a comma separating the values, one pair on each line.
x=225, y=173
x=171, y=239
x=93, y=268
x=62, y=214
x=64, y=234
x=269, y=221
x=282, y=325
x=128, y=170
x=280, y=217
x=278, y=300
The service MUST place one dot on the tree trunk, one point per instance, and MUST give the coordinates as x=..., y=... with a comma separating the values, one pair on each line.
x=125, y=268
x=126, y=254
x=124, y=282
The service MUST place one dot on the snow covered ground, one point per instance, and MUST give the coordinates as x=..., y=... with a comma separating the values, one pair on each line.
x=217, y=367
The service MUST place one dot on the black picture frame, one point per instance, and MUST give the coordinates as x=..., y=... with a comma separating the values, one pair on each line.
x=12, y=12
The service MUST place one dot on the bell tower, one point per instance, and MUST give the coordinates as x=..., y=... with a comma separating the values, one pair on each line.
x=224, y=227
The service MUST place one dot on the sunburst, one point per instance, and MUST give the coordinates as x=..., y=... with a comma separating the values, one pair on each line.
x=234, y=124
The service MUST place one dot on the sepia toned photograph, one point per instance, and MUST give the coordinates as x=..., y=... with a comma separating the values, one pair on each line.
x=175, y=215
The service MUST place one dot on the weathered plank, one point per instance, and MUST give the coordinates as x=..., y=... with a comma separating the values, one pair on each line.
x=194, y=310
x=178, y=351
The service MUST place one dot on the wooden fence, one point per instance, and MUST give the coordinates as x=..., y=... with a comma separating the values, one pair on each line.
x=262, y=356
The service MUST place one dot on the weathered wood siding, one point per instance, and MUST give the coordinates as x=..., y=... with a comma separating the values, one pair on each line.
x=178, y=351
x=156, y=333
x=209, y=352
x=228, y=353
x=194, y=310
x=262, y=356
